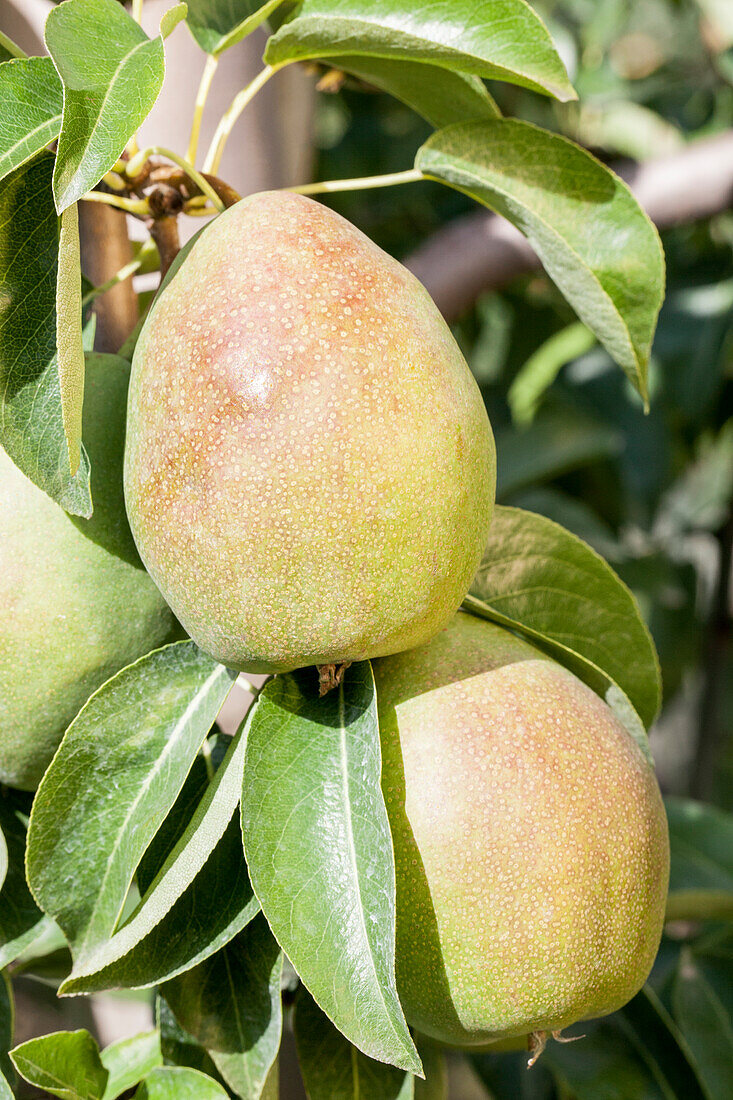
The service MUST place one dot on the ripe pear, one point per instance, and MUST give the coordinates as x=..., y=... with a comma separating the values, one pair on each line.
x=76, y=603
x=310, y=470
x=531, y=845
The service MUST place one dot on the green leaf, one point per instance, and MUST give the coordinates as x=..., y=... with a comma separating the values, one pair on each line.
x=705, y=1024
x=116, y=774
x=590, y=233
x=543, y=367
x=542, y=580
x=556, y=442
x=6, y=1036
x=69, y=342
x=65, y=1063
x=333, y=1069
x=319, y=851
x=178, y=1047
x=32, y=99
x=218, y=24
x=199, y=898
x=661, y=1044
x=172, y=18
x=129, y=1060
x=21, y=921
x=701, y=861
x=111, y=80
x=31, y=421
x=440, y=96
x=499, y=39
x=175, y=1083
x=231, y=1006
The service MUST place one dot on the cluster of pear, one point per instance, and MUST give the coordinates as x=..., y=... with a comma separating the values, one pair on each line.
x=309, y=478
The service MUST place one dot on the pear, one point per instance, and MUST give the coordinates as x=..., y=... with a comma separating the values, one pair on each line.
x=77, y=604
x=531, y=845
x=310, y=470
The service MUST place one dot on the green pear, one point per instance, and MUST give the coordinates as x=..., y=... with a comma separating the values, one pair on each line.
x=310, y=470
x=531, y=846
x=77, y=604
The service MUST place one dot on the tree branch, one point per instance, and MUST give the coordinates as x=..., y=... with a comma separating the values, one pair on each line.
x=480, y=251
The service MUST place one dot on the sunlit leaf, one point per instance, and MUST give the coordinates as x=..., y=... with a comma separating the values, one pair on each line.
x=500, y=39
x=31, y=421
x=69, y=342
x=65, y=1064
x=218, y=24
x=319, y=851
x=117, y=773
x=32, y=99
x=590, y=233
x=111, y=80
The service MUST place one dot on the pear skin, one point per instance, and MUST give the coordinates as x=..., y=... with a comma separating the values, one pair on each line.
x=531, y=845
x=310, y=469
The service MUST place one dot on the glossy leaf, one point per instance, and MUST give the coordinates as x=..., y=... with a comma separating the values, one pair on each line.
x=320, y=855
x=500, y=39
x=116, y=774
x=111, y=82
x=21, y=921
x=171, y=18
x=65, y=1064
x=127, y=1061
x=176, y=1083
x=231, y=1006
x=6, y=1036
x=32, y=99
x=31, y=421
x=69, y=343
x=542, y=580
x=218, y=24
x=705, y=1024
x=590, y=233
x=199, y=898
x=440, y=96
x=333, y=1069
x=178, y=1047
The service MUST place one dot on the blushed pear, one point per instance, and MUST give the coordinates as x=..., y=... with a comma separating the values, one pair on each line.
x=310, y=469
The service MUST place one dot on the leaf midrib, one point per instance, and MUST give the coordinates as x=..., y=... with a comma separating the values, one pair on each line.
x=171, y=743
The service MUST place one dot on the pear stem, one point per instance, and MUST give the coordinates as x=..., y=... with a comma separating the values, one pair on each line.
x=164, y=232
x=208, y=75
x=228, y=119
x=130, y=206
x=391, y=179
x=12, y=47
x=119, y=277
x=135, y=166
